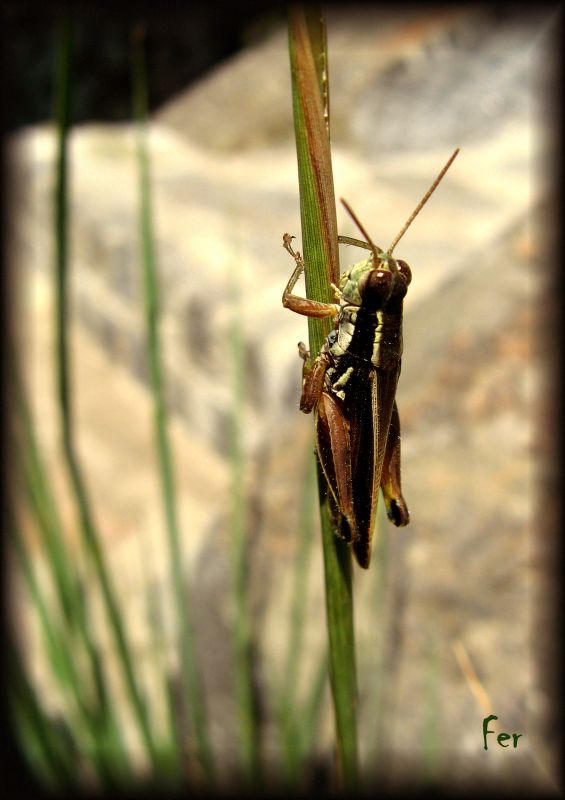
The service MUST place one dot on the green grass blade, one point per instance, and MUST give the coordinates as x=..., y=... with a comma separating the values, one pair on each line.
x=88, y=529
x=41, y=500
x=98, y=711
x=171, y=747
x=97, y=729
x=319, y=241
x=59, y=658
x=38, y=737
x=191, y=680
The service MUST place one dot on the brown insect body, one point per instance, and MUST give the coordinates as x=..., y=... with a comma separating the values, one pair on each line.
x=351, y=385
x=357, y=427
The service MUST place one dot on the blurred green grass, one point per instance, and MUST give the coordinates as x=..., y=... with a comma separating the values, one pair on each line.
x=85, y=742
x=83, y=745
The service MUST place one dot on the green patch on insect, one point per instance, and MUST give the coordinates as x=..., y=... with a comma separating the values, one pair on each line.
x=351, y=384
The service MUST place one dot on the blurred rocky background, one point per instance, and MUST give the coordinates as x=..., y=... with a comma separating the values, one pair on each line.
x=461, y=591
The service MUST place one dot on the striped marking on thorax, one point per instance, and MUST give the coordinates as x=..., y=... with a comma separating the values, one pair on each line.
x=345, y=331
x=375, y=358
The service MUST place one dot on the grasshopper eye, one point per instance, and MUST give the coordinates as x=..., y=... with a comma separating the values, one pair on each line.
x=332, y=337
x=375, y=286
x=404, y=270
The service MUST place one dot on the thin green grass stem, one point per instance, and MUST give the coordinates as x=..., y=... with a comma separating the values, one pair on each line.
x=171, y=746
x=71, y=600
x=54, y=760
x=98, y=736
x=309, y=70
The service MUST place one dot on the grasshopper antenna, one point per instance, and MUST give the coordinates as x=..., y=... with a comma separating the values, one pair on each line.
x=419, y=207
x=355, y=219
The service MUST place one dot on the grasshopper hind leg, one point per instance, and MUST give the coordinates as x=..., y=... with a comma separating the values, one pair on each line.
x=396, y=508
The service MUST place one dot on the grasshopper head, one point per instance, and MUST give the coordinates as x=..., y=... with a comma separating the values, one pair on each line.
x=388, y=278
x=365, y=283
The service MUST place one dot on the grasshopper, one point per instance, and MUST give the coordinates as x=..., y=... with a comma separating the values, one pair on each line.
x=351, y=384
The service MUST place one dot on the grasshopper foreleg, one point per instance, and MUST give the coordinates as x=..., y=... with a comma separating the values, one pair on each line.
x=301, y=305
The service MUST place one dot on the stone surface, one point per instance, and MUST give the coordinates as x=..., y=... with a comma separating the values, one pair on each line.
x=407, y=88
